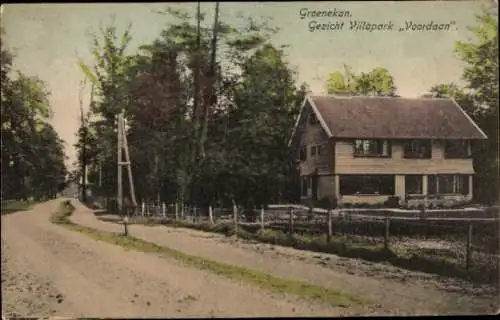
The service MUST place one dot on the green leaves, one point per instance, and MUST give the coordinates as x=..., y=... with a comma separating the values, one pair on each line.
x=87, y=71
x=480, y=100
x=377, y=82
x=32, y=152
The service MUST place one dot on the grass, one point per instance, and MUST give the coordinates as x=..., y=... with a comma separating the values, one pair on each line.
x=11, y=206
x=258, y=278
x=349, y=247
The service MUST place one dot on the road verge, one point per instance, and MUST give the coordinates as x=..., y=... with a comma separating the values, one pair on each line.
x=281, y=285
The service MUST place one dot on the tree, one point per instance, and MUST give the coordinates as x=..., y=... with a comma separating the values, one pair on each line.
x=377, y=82
x=266, y=104
x=195, y=98
x=32, y=153
x=110, y=77
x=479, y=98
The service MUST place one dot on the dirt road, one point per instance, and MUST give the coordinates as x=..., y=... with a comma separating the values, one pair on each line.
x=49, y=270
x=393, y=290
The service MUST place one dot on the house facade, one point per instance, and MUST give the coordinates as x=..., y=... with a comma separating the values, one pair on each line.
x=367, y=149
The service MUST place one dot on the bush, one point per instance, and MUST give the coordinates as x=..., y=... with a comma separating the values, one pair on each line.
x=392, y=202
x=323, y=203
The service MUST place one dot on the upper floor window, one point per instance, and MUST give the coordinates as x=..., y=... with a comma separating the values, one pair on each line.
x=303, y=153
x=456, y=149
x=313, y=119
x=315, y=150
x=372, y=148
x=421, y=149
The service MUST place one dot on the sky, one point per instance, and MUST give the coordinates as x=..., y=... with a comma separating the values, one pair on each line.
x=48, y=40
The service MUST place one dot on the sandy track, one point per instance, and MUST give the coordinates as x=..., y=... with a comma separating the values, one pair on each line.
x=394, y=291
x=49, y=270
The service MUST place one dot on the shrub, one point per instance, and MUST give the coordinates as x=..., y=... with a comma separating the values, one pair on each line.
x=392, y=202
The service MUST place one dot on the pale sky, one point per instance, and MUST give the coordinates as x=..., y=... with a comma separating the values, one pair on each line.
x=48, y=38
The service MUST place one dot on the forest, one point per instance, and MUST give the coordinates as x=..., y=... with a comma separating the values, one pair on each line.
x=209, y=109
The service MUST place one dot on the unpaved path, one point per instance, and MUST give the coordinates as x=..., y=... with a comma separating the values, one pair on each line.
x=49, y=270
x=394, y=291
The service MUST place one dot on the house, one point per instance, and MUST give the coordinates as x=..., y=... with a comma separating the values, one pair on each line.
x=359, y=149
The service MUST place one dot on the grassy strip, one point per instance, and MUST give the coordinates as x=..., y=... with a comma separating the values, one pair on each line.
x=345, y=246
x=261, y=279
x=8, y=206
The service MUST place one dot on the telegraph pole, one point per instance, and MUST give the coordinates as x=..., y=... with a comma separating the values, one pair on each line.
x=128, y=164
x=119, y=195
x=123, y=145
x=83, y=151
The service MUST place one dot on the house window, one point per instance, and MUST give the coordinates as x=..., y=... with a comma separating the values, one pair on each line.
x=413, y=184
x=305, y=189
x=303, y=153
x=372, y=148
x=456, y=149
x=448, y=184
x=366, y=184
x=313, y=119
x=420, y=149
x=315, y=150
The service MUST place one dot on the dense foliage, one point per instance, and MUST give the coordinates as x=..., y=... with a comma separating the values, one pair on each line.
x=32, y=152
x=209, y=109
x=479, y=98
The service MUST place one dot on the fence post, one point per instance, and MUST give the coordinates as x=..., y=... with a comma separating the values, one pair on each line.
x=194, y=215
x=386, y=233
x=468, y=256
x=262, y=218
x=329, y=225
x=143, y=208
x=125, y=222
x=176, y=212
x=235, y=213
x=210, y=214
x=290, y=223
x=343, y=220
x=164, y=209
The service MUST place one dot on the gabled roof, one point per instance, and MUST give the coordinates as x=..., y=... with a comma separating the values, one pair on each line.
x=392, y=118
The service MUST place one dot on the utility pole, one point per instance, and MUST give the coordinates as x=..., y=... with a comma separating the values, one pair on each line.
x=128, y=163
x=119, y=195
x=123, y=145
x=83, y=151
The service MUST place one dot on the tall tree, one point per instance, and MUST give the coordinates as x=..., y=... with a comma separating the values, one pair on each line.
x=32, y=153
x=479, y=98
x=110, y=74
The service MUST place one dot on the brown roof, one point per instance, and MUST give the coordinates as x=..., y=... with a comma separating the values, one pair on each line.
x=388, y=117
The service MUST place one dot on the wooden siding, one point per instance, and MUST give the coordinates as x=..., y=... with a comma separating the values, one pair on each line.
x=326, y=187
x=310, y=135
x=346, y=163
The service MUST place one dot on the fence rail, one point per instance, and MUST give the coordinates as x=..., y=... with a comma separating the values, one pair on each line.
x=471, y=229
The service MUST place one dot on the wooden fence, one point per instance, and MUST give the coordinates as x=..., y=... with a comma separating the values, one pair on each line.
x=301, y=219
